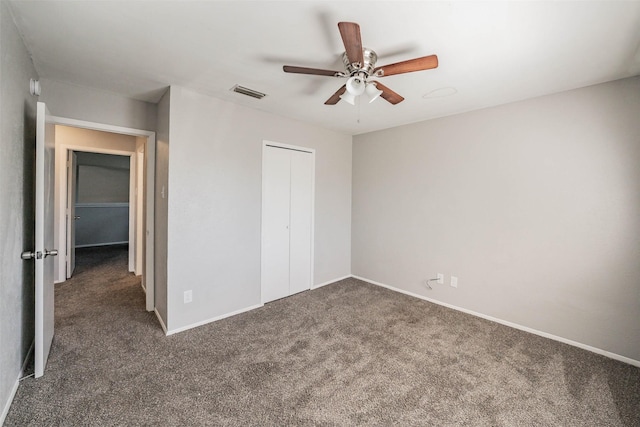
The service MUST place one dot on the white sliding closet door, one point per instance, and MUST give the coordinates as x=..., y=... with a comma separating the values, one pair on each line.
x=300, y=222
x=287, y=216
x=276, y=178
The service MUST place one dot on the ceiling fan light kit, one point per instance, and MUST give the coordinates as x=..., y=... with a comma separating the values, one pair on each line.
x=355, y=86
x=360, y=68
x=373, y=91
x=348, y=98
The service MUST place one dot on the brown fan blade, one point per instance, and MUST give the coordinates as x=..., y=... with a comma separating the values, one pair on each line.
x=417, y=64
x=336, y=96
x=350, y=32
x=314, y=71
x=388, y=94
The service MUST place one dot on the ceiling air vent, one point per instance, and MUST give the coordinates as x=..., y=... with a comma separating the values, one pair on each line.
x=249, y=92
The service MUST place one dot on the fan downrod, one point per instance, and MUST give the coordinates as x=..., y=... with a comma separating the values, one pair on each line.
x=369, y=63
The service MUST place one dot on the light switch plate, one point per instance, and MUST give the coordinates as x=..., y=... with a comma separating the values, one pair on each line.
x=454, y=281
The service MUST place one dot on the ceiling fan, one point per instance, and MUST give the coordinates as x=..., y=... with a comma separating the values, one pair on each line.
x=360, y=68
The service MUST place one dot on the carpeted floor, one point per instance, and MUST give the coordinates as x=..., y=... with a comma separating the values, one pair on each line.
x=346, y=354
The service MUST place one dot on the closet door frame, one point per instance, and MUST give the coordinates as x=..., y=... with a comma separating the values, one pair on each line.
x=312, y=152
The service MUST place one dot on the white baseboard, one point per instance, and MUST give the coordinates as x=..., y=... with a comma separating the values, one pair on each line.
x=164, y=327
x=510, y=324
x=213, y=319
x=7, y=405
x=331, y=281
x=14, y=389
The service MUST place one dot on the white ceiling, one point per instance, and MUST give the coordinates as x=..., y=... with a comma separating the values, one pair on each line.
x=490, y=52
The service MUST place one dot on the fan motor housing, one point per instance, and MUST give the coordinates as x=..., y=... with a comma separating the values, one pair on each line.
x=370, y=58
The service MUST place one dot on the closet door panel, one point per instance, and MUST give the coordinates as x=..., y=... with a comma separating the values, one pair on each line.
x=275, y=224
x=300, y=221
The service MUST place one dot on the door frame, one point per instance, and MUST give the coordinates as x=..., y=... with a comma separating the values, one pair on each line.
x=312, y=151
x=133, y=207
x=148, y=282
x=70, y=215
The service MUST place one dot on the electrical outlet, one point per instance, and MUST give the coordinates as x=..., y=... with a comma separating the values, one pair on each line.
x=188, y=296
x=454, y=281
x=440, y=278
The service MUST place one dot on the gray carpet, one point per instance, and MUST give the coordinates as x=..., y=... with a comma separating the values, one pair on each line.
x=347, y=354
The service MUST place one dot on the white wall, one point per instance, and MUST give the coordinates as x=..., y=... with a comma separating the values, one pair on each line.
x=535, y=206
x=17, y=150
x=214, y=213
x=93, y=105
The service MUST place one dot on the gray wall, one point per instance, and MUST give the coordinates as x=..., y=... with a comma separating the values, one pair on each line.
x=17, y=149
x=215, y=183
x=102, y=201
x=104, y=160
x=93, y=105
x=535, y=206
x=102, y=224
x=102, y=178
x=161, y=205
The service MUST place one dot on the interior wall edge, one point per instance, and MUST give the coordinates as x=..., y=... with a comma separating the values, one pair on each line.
x=161, y=320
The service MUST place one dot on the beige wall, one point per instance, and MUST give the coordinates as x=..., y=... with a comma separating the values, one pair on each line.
x=215, y=193
x=535, y=206
x=17, y=151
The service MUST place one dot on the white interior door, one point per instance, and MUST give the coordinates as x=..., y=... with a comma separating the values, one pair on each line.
x=72, y=180
x=275, y=223
x=287, y=222
x=139, y=207
x=44, y=252
x=301, y=205
x=148, y=186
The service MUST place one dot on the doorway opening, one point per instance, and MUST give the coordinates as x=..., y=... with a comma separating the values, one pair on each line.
x=104, y=195
x=99, y=205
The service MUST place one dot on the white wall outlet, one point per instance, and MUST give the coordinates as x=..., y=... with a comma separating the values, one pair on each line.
x=188, y=296
x=454, y=281
x=440, y=278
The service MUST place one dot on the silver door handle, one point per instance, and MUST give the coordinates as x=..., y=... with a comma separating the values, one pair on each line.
x=28, y=255
x=76, y=217
x=52, y=252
